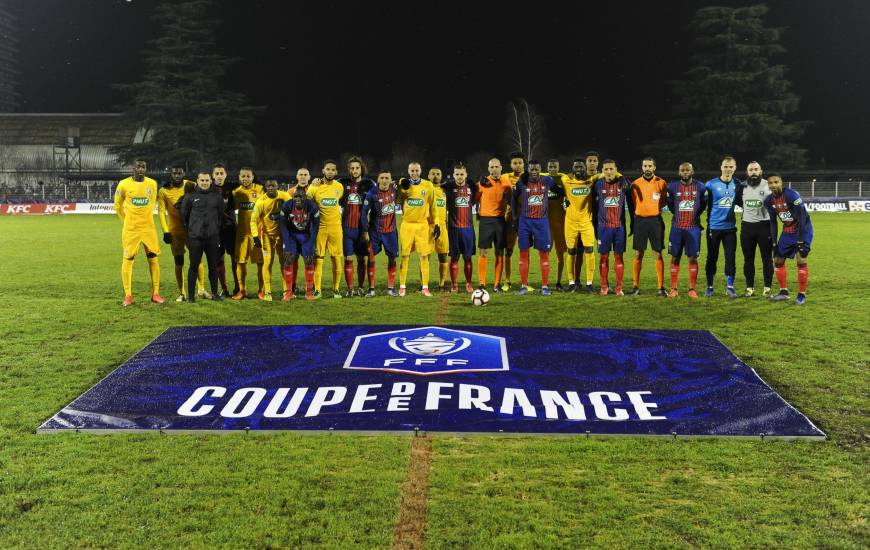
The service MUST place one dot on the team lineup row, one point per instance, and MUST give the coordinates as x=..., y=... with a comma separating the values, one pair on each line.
x=525, y=208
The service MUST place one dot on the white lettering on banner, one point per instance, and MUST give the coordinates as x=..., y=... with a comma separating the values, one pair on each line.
x=859, y=206
x=826, y=206
x=18, y=209
x=642, y=408
x=273, y=410
x=361, y=396
x=323, y=399
x=556, y=404
x=253, y=396
x=401, y=396
x=601, y=411
x=553, y=400
x=467, y=400
x=187, y=408
x=519, y=396
x=433, y=395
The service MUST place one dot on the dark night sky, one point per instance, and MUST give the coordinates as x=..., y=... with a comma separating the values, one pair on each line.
x=342, y=78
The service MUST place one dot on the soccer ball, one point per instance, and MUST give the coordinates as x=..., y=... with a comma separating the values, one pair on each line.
x=479, y=297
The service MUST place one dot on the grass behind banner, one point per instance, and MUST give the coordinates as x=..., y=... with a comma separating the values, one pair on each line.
x=63, y=329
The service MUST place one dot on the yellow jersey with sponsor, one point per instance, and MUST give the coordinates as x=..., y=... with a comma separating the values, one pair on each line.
x=167, y=212
x=267, y=214
x=245, y=199
x=579, y=194
x=512, y=179
x=418, y=202
x=134, y=203
x=327, y=196
x=440, y=207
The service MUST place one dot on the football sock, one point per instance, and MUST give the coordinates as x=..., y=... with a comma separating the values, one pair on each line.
x=371, y=270
x=127, y=276
x=499, y=266
x=675, y=274
x=571, y=259
x=318, y=274
x=391, y=273
x=348, y=273
x=482, y=264
x=361, y=265
x=604, y=269
x=545, y=267
x=660, y=272
x=620, y=269
x=454, y=271
x=403, y=271
x=179, y=278
x=336, y=272
x=424, y=271
x=524, y=267
x=781, y=276
x=589, y=257
x=803, y=276
x=242, y=273
x=467, y=266
x=309, y=277
x=693, y=273
x=635, y=272
x=443, y=269
x=154, y=268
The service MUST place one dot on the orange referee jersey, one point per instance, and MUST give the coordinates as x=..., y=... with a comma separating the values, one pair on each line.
x=493, y=200
x=648, y=196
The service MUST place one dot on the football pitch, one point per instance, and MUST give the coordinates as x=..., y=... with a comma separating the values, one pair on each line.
x=63, y=329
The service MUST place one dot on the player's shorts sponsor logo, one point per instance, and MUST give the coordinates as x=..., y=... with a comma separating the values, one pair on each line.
x=354, y=198
x=328, y=201
x=140, y=201
x=752, y=203
x=440, y=203
x=579, y=191
x=463, y=202
x=428, y=350
x=388, y=209
x=414, y=203
x=725, y=202
x=536, y=200
x=687, y=206
x=611, y=202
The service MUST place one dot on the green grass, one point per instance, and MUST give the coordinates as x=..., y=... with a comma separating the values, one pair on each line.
x=63, y=329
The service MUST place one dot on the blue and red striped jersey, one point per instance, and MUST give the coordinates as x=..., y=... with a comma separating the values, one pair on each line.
x=686, y=201
x=460, y=201
x=352, y=200
x=380, y=205
x=791, y=211
x=611, y=202
x=530, y=198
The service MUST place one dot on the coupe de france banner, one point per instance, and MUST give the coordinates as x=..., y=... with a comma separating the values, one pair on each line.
x=371, y=378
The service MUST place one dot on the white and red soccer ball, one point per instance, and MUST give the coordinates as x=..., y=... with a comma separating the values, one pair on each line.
x=479, y=297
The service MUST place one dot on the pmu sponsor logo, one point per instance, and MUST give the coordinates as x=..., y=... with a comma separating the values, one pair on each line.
x=752, y=203
x=409, y=396
x=414, y=202
x=328, y=201
x=428, y=350
x=246, y=206
x=440, y=203
x=579, y=191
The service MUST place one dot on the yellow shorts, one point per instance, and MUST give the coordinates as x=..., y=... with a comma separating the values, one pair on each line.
x=415, y=236
x=271, y=245
x=441, y=245
x=556, y=216
x=329, y=238
x=179, y=240
x=581, y=229
x=130, y=241
x=246, y=251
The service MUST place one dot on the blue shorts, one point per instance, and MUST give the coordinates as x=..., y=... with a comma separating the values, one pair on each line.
x=688, y=240
x=461, y=241
x=786, y=246
x=388, y=241
x=611, y=238
x=352, y=244
x=534, y=232
x=301, y=244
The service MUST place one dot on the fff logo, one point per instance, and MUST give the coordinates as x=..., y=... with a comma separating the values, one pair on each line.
x=427, y=351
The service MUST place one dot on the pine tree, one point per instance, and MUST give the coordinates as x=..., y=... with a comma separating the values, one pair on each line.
x=185, y=115
x=733, y=99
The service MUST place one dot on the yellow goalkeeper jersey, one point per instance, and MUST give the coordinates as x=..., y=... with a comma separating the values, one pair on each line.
x=245, y=199
x=327, y=195
x=167, y=199
x=134, y=203
x=440, y=207
x=418, y=202
x=579, y=195
x=267, y=214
